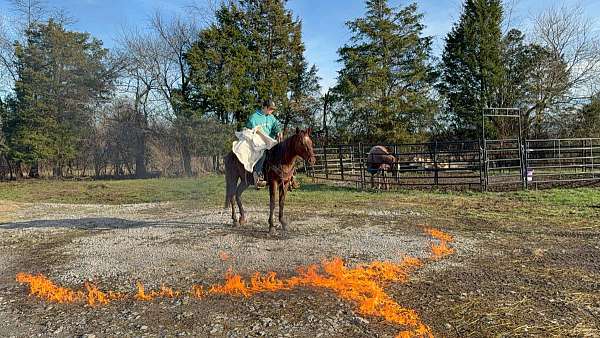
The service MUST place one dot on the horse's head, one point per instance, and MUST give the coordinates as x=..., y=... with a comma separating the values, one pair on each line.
x=303, y=145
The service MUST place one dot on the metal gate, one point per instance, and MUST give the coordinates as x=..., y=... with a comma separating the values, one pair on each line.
x=504, y=165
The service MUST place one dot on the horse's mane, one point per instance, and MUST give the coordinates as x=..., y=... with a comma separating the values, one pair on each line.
x=277, y=154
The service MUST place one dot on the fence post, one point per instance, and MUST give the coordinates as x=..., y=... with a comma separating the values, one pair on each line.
x=396, y=167
x=352, y=159
x=325, y=161
x=526, y=164
x=592, y=157
x=362, y=167
x=583, y=155
x=486, y=169
x=341, y=161
x=559, y=162
x=435, y=165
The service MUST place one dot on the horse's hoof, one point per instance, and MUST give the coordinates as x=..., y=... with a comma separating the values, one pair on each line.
x=243, y=221
x=236, y=224
x=271, y=231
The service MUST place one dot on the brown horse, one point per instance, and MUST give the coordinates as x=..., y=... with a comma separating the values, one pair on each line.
x=380, y=161
x=279, y=171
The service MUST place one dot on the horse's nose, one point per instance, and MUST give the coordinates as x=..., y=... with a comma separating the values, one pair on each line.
x=312, y=160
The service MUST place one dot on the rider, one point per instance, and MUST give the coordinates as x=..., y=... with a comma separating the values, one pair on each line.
x=269, y=125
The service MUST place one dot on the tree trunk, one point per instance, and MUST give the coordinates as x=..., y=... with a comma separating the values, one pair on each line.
x=57, y=171
x=10, y=169
x=140, y=156
x=18, y=170
x=34, y=171
x=186, y=157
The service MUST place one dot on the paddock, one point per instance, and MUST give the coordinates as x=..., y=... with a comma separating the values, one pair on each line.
x=493, y=165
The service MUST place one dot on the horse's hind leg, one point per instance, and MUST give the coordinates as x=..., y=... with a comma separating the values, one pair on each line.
x=238, y=196
x=229, y=196
x=272, y=193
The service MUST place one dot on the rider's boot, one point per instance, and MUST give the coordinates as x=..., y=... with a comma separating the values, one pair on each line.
x=258, y=182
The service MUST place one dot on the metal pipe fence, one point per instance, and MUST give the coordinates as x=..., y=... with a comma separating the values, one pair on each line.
x=489, y=165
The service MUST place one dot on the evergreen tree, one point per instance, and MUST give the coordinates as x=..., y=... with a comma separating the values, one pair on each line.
x=60, y=74
x=221, y=67
x=472, y=69
x=253, y=51
x=588, y=121
x=385, y=81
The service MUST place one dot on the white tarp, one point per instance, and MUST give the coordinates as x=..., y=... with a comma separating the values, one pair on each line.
x=251, y=146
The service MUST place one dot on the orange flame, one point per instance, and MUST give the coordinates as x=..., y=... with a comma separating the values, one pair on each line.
x=42, y=287
x=439, y=251
x=96, y=297
x=361, y=285
x=163, y=292
x=198, y=291
x=234, y=285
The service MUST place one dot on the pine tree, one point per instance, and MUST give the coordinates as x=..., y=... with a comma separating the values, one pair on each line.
x=60, y=75
x=386, y=77
x=472, y=70
x=221, y=67
x=253, y=51
x=588, y=121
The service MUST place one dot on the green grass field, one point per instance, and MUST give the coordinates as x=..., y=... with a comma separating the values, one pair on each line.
x=558, y=205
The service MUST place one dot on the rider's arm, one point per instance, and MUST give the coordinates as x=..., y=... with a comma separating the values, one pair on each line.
x=276, y=129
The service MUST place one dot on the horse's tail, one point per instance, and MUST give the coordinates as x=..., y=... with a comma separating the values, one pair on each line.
x=229, y=180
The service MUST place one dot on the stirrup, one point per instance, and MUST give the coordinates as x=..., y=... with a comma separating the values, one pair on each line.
x=258, y=183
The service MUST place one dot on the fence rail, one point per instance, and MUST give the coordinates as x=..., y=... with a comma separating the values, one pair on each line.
x=488, y=165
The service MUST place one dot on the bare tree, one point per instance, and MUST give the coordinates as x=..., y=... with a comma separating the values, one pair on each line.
x=7, y=55
x=570, y=62
x=158, y=74
x=138, y=80
x=175, y=37
x=30, y=11
x=26, y=14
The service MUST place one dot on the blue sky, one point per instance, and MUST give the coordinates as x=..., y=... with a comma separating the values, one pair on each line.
x=323, y=20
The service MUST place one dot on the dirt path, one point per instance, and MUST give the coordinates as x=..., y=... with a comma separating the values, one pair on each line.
x=115, y=246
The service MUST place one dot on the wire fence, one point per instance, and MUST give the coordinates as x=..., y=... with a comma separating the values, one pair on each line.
x=463, y=165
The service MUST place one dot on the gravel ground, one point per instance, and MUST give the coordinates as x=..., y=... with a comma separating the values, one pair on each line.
x=167, y=243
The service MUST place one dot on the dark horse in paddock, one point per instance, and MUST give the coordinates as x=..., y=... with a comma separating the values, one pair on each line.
x=380, y=161
x=279, y=171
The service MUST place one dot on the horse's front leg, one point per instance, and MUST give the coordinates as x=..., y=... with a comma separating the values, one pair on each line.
x=282, y=193
x=272, y=193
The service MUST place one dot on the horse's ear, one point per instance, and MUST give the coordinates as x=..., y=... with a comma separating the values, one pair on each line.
x=309, y=130
x=297, y=130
